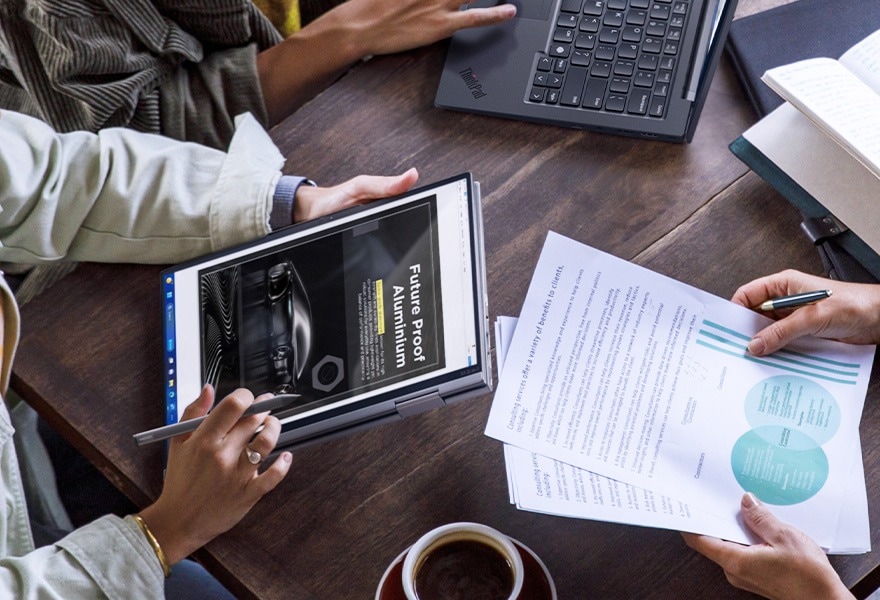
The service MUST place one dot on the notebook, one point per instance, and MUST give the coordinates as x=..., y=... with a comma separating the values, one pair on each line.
x=370, y=315
x=633, y=67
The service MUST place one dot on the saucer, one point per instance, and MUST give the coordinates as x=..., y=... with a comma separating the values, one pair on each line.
x=537, y=585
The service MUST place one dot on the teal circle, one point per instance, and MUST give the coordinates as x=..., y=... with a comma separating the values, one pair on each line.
x=779, y=465
x=794, y=402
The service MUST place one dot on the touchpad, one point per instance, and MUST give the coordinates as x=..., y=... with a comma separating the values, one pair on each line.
x=525, y=9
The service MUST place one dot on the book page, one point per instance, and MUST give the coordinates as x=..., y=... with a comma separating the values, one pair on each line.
x=634, y=376
x=843, y=106
x=863, y=60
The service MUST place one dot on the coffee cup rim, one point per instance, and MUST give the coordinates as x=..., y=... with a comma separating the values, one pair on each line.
x=438, y=533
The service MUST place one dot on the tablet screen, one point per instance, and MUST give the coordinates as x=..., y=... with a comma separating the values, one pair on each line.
x=352, y=309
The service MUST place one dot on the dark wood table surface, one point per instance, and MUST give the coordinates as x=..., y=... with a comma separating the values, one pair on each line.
x=89, y=359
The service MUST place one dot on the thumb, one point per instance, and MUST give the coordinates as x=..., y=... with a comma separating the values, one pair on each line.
x=401, y=183
x=759, y=519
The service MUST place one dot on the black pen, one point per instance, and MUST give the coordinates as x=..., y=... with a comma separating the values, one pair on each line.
x=168, y=431
x=795, y=300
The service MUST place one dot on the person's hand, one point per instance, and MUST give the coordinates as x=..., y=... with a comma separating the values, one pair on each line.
x=851, y=314
x=210, y=484
x=306, y=62
x=312, y=202
x=385, y=27
x=788, y=565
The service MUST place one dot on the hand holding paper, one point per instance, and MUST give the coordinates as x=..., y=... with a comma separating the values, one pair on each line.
x=630, y=375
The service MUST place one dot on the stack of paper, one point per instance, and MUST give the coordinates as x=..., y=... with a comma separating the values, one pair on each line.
x=626, y=396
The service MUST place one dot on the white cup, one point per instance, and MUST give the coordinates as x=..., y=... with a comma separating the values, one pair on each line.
x=421, y=552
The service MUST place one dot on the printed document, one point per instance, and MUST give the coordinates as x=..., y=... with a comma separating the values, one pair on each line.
x=635, y=377
x=543, y=485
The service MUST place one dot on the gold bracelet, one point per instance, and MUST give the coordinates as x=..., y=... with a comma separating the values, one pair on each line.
x=160, y=554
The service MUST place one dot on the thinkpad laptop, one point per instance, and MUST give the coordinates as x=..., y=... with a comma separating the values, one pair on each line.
x=369, y=315
x=632, y=67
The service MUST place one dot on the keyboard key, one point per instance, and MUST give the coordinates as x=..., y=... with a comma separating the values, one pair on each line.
x=664, y=76
x=615, y=4
x=652, y=45
x=648, y=62
x=570, y=6
x=631, y=34
x=560, y=65
x=594, y=94
x=585, y=41
x=661, y=89
x=639, y=3
x=613, y=19
x=628, y=51
x=540, y=79
x=655, y=29
x=676, y=21
x=580, y=58
x=618, y=85
x=552, y=97
x=554, y=80
x=636, y=17
x=615, y=103
x=658, y=105
x=659, y=11
x=680, y=8
x=559, y=50
x=594, y=7
x=600, y=69
x=624, y=67
x=536, y=95
x=563, y=35
x=670, y=48
x=604, y=52
x=609, y=35
x=667, y=62
x=674, y=34
x=644, y=79
x=638, y=102
x=567, y=21
x=589, y=24
x=545, y=64
x=573, y=88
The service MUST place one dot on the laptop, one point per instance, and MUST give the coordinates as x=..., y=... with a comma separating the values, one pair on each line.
x=369, y=315
x=631, y=67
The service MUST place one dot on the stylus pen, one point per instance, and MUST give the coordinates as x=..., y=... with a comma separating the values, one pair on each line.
x=168, y=431
x=795, y=300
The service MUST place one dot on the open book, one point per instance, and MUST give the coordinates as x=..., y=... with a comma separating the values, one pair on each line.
x=842, y=97
x=826, y=137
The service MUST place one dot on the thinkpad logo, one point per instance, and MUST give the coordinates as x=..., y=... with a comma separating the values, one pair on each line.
x=472, y=82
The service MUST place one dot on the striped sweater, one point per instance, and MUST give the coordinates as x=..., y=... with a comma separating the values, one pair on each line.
x=182, y=68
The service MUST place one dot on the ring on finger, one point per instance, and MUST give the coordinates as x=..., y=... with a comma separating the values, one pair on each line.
x=253, y=456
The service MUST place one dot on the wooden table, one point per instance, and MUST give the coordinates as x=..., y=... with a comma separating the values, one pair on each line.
x=90, y=361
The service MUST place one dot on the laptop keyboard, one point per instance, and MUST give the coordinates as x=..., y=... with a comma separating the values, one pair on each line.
x=617, y=56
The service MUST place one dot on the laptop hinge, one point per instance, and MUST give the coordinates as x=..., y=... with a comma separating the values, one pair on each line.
x=414, y=406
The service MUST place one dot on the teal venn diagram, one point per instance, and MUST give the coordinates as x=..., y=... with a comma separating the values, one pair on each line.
x=781, y=460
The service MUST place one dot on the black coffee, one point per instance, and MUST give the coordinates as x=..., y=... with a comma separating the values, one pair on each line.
x=464, y=570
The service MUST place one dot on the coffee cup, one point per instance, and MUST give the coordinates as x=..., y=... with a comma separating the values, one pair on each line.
x=463, y=560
